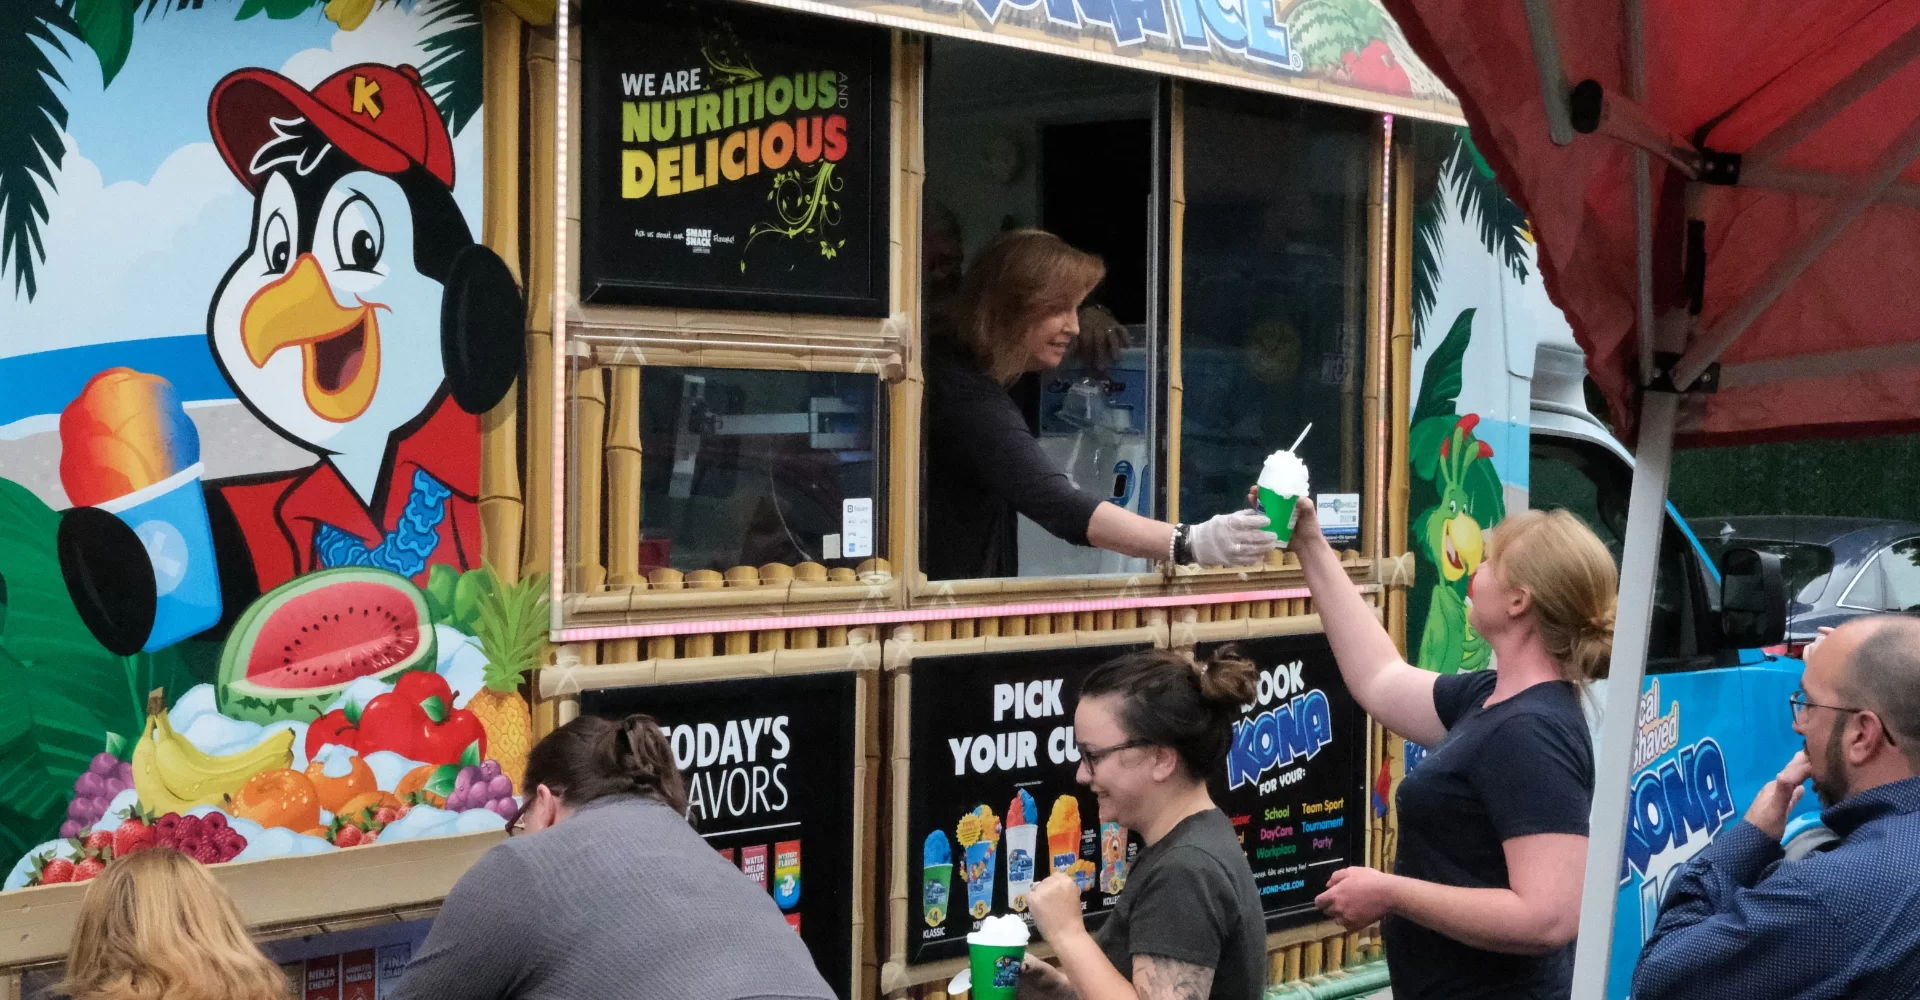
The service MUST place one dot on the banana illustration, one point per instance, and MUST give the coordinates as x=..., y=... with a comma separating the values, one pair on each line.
x=170, y=774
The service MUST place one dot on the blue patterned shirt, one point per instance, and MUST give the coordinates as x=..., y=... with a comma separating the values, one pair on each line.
x=1741, y=923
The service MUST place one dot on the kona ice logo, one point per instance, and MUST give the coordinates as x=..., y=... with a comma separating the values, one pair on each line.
x=1299, y=726
x=1687, y=794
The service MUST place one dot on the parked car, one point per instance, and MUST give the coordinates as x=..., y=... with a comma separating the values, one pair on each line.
x=1836, y=567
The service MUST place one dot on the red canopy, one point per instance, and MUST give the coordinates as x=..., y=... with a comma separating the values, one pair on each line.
x=1815, y=98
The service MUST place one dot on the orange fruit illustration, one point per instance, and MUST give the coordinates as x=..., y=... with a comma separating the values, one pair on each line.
x=416, y=781
x=279, y=797
x=336, y=792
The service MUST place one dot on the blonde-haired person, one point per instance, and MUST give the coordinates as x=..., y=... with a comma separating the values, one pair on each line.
x=156, y=926
x=1484, y=898
x=1018, y=310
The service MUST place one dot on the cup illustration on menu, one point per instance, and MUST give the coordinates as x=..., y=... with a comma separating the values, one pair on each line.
x=1022, y=832
x=1113, y=858
x=127, y=448
x=936, y=878
x=1282, y=481
x=786, y=874
x=979, y=835
x=1063, y=842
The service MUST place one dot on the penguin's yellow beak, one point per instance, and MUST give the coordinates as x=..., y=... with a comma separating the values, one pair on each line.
x=1461, y=547
x=340, y=346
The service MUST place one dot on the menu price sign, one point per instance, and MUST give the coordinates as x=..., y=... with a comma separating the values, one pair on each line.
x=769, y=765
x=992, y=803
x=1294, y=783
x=733, y=157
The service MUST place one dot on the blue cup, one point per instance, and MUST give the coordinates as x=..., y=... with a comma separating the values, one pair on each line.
x=170, y=518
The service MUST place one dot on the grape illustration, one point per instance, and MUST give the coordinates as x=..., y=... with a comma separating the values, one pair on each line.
x=106, y=776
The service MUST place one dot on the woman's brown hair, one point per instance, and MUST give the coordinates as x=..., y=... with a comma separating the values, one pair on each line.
x=1571, y=580
x=1021, y=277
x=1186, y=705
x=156, y=926
x=592, y=757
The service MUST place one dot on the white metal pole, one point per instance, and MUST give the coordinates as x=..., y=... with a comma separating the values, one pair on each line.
x=1613, y=759
x=1546, y=62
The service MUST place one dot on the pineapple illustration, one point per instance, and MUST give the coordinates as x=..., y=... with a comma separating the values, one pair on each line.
x=512, y=628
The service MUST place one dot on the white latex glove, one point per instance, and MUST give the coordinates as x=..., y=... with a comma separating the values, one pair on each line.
x=1236, y=539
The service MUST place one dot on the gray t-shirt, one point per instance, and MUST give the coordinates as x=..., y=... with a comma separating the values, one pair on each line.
x=1192, y=898
x=622, y=899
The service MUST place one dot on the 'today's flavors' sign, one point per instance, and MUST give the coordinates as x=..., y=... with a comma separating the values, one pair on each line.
x=1294, y=782
x=733, y=157
x=992, y=804
x=769, y=764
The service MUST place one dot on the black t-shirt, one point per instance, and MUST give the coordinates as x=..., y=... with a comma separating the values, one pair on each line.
x=1191, y=898
x=983, y=465
x=1520, y=767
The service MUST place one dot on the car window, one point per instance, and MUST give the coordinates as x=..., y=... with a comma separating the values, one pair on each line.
x=1868, y=591
x=1805, y=565
x=1593, y=484
x=1900, y=567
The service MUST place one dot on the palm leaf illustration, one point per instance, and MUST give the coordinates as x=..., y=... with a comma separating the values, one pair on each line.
x=1477, y=197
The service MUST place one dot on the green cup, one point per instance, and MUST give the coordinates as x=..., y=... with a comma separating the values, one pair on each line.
x=1281, y=512
x=995, y=969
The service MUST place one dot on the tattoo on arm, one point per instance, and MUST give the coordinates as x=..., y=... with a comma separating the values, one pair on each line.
x=1158, y=978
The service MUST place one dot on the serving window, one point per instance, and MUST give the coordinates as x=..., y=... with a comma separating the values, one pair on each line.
x=1013, y=141
x=1274, y=305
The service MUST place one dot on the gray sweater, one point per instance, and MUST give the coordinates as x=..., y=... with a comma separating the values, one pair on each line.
x=621, y=899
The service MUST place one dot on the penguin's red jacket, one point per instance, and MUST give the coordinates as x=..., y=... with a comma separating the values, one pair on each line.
x=287, y=518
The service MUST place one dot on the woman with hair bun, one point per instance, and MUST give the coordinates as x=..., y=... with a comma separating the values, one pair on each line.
x=1484, y=899
x=1150, y=727
x=616, y=896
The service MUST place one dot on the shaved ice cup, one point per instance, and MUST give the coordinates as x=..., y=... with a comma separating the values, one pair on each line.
x=1283, y=480
x=995, y=961
x=1281, y=512
x=170, y=518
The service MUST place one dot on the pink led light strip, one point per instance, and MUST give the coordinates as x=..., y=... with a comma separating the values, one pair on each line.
x=606, y=632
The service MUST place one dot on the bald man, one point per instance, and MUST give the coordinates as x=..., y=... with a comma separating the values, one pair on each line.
x=1741, y=923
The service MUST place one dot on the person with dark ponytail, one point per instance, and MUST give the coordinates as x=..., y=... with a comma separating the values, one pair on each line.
x=1484, y=898
x=1150, y=727
x=616, y=896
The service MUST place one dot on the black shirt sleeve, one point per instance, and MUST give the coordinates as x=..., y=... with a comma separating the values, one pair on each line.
x=1184, y=910
x=1454, y=695
x=975, y=424
x=1536, y=778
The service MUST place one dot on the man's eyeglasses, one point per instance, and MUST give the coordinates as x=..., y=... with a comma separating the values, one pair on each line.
x=518, y=823
x=1800, y=706
x=1094, y=755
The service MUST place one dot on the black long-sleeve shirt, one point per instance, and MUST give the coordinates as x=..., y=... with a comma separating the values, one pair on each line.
x=983, y=466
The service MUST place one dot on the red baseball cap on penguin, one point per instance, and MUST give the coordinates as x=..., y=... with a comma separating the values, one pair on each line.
x=381, y=117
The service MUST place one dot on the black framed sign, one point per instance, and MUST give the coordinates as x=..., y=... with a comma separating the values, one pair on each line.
x=770, y=769
x=992, y=804
x=1295, y=781
x=733, y=157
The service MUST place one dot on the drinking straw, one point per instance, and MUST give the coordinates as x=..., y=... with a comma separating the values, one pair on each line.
x=1303, y=436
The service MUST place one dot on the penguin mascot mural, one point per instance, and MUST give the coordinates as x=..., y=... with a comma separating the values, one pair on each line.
x=362, y=323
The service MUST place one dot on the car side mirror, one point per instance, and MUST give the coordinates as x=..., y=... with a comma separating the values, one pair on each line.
x=1753, y=598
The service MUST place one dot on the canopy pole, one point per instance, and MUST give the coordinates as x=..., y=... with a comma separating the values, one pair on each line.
x=1632, y=628
x=1546, y=61
x=1642, y=188
x=1838, y=98
x=1709, y=344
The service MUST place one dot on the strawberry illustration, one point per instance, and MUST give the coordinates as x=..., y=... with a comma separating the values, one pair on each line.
x=88, y=868
x=100, y=843
x=347, y=836
x=132, y=835
x=57, y=870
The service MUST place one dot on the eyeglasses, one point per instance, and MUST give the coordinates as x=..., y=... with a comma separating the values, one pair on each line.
x=1800, y=705
x=1093, y=756
x=518, y=823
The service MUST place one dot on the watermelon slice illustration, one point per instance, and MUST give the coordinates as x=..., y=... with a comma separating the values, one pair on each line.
x=296, y=648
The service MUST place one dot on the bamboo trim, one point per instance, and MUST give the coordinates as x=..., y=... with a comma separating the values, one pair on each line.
x=500, y=505
x=624, y=454
x=586, y=574
x=542, y=83
x=1378, y=291
x=1176, y=293
x=1401, y=366
x=949, y=592
x=566, y=681
x=905, y=395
